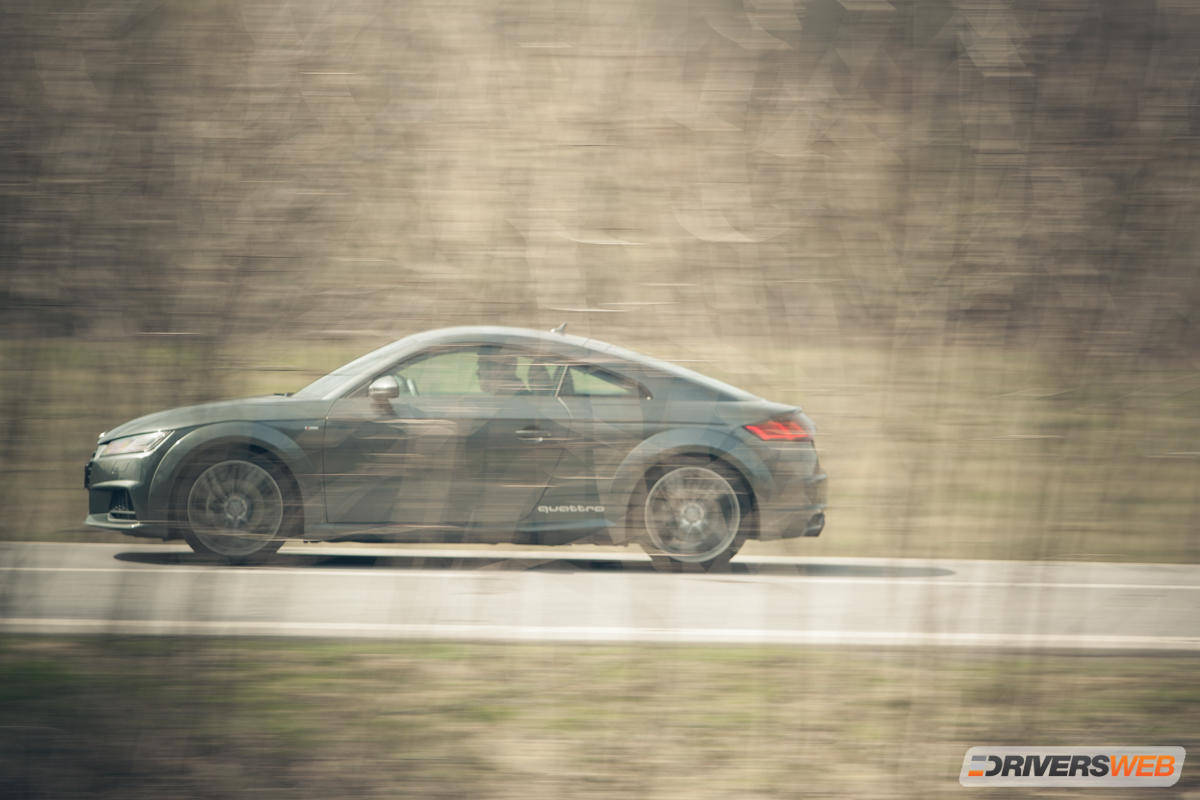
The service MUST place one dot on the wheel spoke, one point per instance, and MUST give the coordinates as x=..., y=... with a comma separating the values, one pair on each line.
x=262, y=480
x=235, y=508
x=214, y=486
x=692, y=514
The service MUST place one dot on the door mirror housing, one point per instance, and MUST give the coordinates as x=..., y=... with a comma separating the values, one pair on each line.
x=384, y=388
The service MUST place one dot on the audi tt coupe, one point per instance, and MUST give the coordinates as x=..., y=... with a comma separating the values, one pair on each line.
x=476, y=434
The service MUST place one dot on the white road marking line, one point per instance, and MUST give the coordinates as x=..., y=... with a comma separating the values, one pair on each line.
x=583, y=634
x=799, y=579
x=332, y=550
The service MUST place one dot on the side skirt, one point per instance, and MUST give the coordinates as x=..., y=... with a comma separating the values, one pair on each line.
x=526, y=534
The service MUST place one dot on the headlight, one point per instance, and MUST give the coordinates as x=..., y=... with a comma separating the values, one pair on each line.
x=142, y=443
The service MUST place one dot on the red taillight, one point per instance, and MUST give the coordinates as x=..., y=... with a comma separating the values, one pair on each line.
x=780, y=430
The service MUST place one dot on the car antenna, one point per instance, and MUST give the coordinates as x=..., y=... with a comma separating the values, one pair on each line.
x=559, y=329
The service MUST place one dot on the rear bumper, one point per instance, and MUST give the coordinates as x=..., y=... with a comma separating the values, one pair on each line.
x=797, y=507
x=792, y=524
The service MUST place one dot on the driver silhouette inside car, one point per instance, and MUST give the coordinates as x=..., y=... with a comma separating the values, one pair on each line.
x=498, y=376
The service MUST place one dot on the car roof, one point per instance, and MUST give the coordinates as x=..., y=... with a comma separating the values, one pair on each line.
x=503, y=334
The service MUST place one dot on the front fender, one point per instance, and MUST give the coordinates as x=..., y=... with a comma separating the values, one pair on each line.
x=718, y=443
x=284, y=448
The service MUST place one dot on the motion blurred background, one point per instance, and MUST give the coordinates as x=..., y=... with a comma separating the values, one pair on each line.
x=962, y=234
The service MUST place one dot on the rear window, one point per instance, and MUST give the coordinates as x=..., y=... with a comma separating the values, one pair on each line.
x=590, y=381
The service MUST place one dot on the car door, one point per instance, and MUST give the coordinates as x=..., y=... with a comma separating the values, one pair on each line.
x=609, y=414
x=457, y=447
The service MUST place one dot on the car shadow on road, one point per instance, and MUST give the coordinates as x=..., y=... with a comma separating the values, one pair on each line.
x=480, y=561
x=827, y=570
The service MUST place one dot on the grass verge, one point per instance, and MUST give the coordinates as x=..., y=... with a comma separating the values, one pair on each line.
x=200, y=718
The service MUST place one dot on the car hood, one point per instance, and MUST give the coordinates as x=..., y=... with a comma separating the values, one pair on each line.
x=249, y=409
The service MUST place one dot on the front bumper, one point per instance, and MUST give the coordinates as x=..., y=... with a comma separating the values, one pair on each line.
x=118, y=495
x=145, y=529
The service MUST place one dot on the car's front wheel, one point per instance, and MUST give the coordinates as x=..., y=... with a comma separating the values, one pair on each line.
x=692, y=514
x=238, y=507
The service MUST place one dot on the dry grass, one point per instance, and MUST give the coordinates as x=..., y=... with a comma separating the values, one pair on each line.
x=961, y=233
x=135, y=718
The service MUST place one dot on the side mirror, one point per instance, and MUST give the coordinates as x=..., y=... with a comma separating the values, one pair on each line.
x=384, y=388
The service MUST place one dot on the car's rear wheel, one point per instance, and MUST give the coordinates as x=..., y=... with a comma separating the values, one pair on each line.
x=238, y=507
x=692, y=514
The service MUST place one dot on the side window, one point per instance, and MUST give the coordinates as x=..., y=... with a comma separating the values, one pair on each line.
x=452, y=372
x=589, y=381
x=541, y=376
x=480, y=370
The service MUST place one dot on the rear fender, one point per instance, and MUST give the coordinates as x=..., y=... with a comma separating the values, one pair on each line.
x=718, y=443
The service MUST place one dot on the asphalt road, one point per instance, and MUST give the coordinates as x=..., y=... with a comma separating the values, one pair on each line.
x=597, y=596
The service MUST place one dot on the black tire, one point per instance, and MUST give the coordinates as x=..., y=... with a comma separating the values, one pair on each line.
x=236, y=506
x=691, y=514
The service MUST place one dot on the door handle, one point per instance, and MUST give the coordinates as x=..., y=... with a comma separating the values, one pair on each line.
x=531, y=434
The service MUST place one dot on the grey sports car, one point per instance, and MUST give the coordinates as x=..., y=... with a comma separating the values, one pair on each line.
x=482, y=434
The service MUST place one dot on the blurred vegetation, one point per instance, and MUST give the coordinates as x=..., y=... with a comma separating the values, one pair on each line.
x=960, y=233
x=200, y=718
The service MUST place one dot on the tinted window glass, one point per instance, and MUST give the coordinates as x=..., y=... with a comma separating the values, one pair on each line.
x=453, y=372
x=586, y=381
x=540, y=376
x=475, y=371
